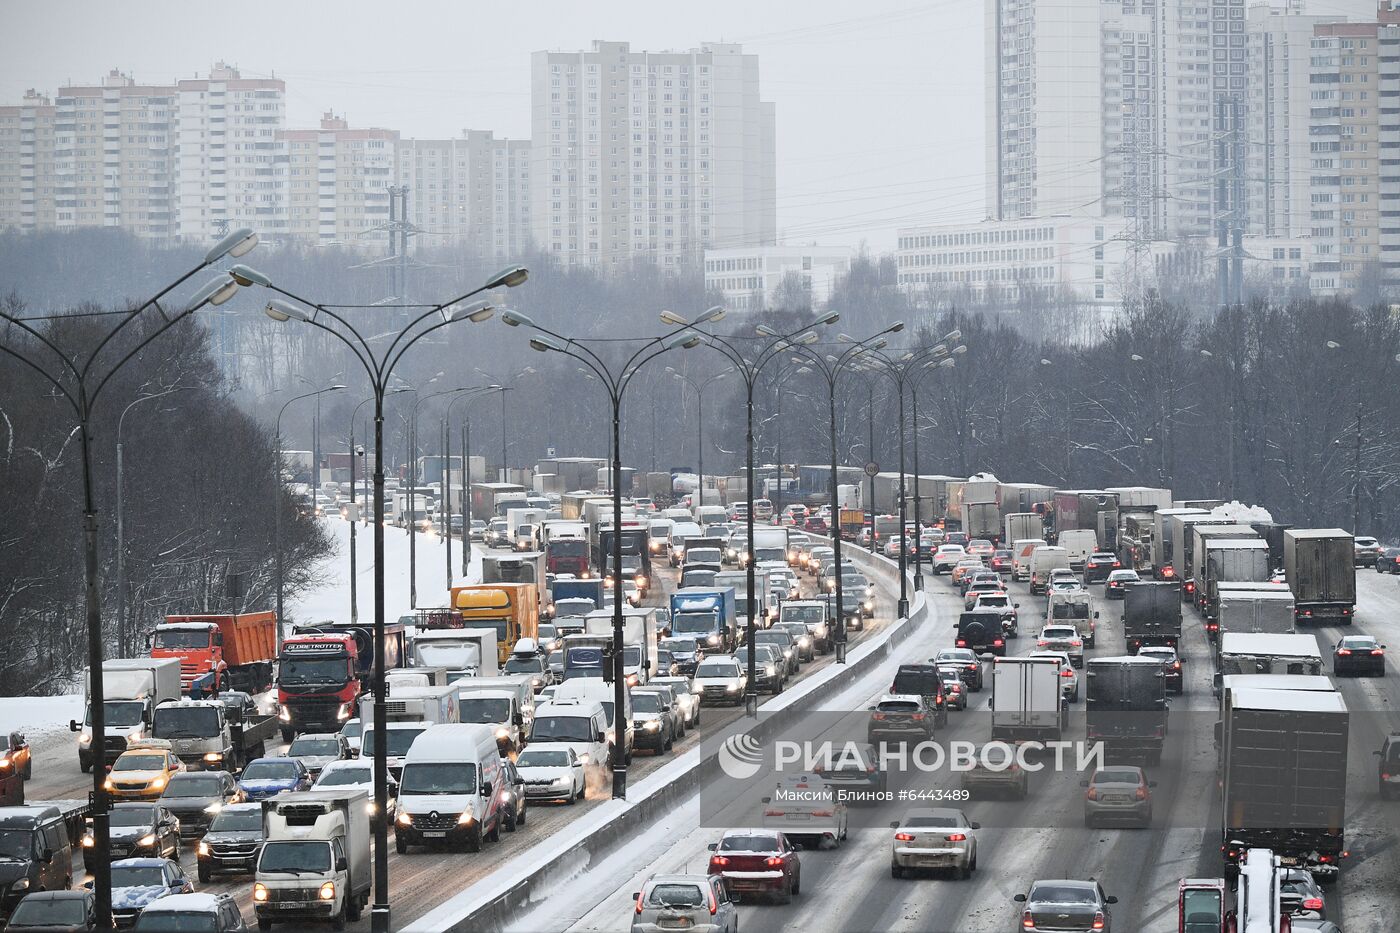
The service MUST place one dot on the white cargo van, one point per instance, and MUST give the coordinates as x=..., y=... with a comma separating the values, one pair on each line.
x=1021, y=550
x=1043, y=560
x=585, y=689
x=1078, y=543
x=452, y=789
x=497, y=707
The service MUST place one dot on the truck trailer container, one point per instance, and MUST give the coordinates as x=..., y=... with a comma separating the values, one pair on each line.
x=1320, y=564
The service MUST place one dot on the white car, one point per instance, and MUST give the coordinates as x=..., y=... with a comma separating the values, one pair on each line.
x=805, y=807
x=1069, y=677
x=1065, y=581
x=935, y=838
x=554, y=773
x=317, y=749
x=358, y=774
x=947, y=557
x=1064, y=638
x=720, y=680
x=685, y=696
x=351, y=730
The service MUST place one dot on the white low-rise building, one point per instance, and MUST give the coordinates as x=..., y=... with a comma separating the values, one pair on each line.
x=750, y=279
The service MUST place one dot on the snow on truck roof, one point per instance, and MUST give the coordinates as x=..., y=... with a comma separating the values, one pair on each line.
x=1269, y=643
x=1288, y=701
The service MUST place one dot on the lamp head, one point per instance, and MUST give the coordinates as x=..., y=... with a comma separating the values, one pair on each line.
x=948, y=363
x=685, y=340
x=515, y=319
x=830, y=317
x=543, y=344
x=238, y=243
x=509, y=277
x=763, y=330
x=711, y=315
x=1333, y=345
x=672, y=318
x=894, y=328
x=215, y=292
x=1136, y=358
x=1207, y=354
x=280, y=310
x=476, y=312
x=1045, y=362
x=808, y=338
x=960, y=349
x=246, y=276
x=952, y=335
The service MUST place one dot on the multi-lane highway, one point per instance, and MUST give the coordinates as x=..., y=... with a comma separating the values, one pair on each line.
x=417, y=878
x=850, y=889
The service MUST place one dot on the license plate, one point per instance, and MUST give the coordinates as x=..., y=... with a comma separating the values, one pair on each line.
x=435, y=834
x=674, y=923
x=798, y=817
x=287, y=905
x=1288, y=860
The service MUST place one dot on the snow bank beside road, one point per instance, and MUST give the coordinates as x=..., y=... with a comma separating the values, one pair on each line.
x=330, y=597
x=40, y=716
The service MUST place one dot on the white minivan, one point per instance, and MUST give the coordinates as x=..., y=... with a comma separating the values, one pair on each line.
x=585, y=689
x=577, y=724
x=1043, y=560
x=452, y=789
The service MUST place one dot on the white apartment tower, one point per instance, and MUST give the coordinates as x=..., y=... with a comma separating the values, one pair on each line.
x=26, y=164
x=472, y=191
x=338, y=181
x=113, y=156
x=655, y=155
x=231, y=165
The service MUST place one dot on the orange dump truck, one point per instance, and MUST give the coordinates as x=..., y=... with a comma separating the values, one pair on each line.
x=512, y=609
x=221, y=651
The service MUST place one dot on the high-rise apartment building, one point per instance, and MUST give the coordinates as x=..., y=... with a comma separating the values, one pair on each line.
x=230, y=164
x=472, y=191
x=338, y=181
x=1354, y=136
x=113, y=156
x=656, y=155
x=26, y=164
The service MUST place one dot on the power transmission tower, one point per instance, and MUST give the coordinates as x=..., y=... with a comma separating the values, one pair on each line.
x=1231, y=208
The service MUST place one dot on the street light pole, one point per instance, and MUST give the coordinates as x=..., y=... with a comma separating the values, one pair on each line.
x=277, y=495
x=380, y=368
x=354, y=452
x=467, y=392
x=73, y=384
x=749, y=367
x=699, y=428
x=616, y=382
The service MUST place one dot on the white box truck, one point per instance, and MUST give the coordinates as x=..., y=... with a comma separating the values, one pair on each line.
x=415, y=704
x=314, y=864
x=1020, y=526
x=132, y=689
x=465, y=652
x=1241, y=609
x=1027, y=702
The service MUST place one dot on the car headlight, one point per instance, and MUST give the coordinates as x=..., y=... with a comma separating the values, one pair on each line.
x=88, y=842
x=213, y=756
x=466, y=819
x=787, y=652
x=284, y=714
x=147, y=840
x=732, y=688
x=20, y=885
x=259, y=892
x=203, y=848
x=651, y=725
x=108, y=785
x=134, y=735
x=502, y=733
x=344, y=713
x=584, y=758
x=213, y=808
x=85, y=738
x=404, y=819
x=713, y=639
x=158, y=783
x=641, y=580
x=328, y=891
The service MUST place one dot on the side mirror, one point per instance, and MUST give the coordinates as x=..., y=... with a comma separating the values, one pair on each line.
x=712, y=846
x=1015, y=605
x=601, y=737
x=486, y=788
x=1377, y=754
x=767, y=800
x=894, y=824
x=88, y=884
x=1096, y=613
x=1111, y=899
x=1151, y=783
x=1019, y=898
x=341, y=864
x=73, y=726
x=636, y=894
x=974, y=824
x=1083, y=783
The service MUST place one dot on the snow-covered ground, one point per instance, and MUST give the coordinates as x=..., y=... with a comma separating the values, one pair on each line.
x=330, y=597
x=40, y=716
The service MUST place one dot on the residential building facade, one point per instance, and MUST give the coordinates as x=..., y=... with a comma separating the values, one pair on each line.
x=27, y=164
x=338, y=181
x=471, y=191
x=752, y=279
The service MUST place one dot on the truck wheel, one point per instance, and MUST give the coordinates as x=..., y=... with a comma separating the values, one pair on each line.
x=473, y=843
x=400, y=844
x=204, y=874
x=338, y=921
x=288, y=733
x=85, y=764
x=352, y=908
x=264, y=924
x=510, y=823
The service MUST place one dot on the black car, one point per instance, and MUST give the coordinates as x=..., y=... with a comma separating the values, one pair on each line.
x=768, y=667
x=56, y=912
x=139, y=830
x=1358, y=655
x=925, y=681
x=1388, y=560
x=516, y=804
x=980, y=631
x=968, y=663
x=233, y=842
x=900, y=719
x=195, y=796
x=1066, y=905
x=1099, y=565
x=1300, y=896
x=35, y=854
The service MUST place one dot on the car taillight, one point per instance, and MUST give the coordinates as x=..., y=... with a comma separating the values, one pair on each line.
x=878, y=717
x=719, y=861
x=1098, y=920
x=917, y=717
x=774, y=813
x=1027, y=921
x=972, y=667
x=822, y=813
x=1312, y=903
x=1041, y=643
x=1212, y=627
x=1066, y=673
x=773, y=861
x=998, y=643
x=904, y=837
x=962, y=642
x=1324, y=858
x=639, y=901
x=1344, y=651
x=1076, y=643
x=956, y=837
x=1176, y=665
x=1385, y=775
x=1377, y=651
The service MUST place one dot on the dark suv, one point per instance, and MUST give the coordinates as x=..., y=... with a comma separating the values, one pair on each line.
x=1099, y=565
x=980, y=631
x=923, y=680
x=900, y=719
x=35, y=853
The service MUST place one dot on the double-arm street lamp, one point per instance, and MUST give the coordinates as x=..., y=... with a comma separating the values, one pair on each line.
x=900, y=370
x=616, y=380
x=80, y=383
x=379, y=367
x=749, y=366
x=831, y=366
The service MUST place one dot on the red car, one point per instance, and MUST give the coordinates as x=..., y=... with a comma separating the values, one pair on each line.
x=757, y=861
x=815, y=524
x=1001, y=561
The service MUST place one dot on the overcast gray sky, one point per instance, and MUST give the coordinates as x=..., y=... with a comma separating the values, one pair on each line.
x=879, y=103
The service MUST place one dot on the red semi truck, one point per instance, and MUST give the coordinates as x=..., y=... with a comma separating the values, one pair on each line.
x=220, y=651
x=318, y=682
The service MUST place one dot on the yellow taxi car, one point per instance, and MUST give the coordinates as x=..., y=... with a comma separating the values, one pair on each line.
x=143, y=770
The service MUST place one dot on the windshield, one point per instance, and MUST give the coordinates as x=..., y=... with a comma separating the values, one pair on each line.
x=195, y=785
x=679, y=646
x=779, y=639
x=1201, y=908
x=237, y=821
x=717, y=670
x=340, y=777
x=270, y=771
x=631, y=656
x=1116, y=777
x=675, y=895
x=139, y=763
x=185, y=722
x=542, y=758
x=131, y=876
x=131, y=816
x=67, y=912
x=300, y=747
x=423, y=777
x=562, y=729
x=306, y=671
x=807, y=615
x=121, y=714
x=396, y=743
x=295, y=857
x=451, y=655
x=769, y=553
x=484, y=709
x=173, y=921
x=351, y=730
x=180, y=638
x=568, y=548
x=519, y=665
x=929, y=822
x=695, y=623
x=702, y=555
x=646, y=703
x=1062, y=894
x=749, y=843
x=16, y=843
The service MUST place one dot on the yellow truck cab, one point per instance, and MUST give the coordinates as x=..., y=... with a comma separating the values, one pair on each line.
x=142, y=771
x=512, y=609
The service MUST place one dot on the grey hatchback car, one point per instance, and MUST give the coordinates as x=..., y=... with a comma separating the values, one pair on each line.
x=695, y=903
x=1120, y=793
